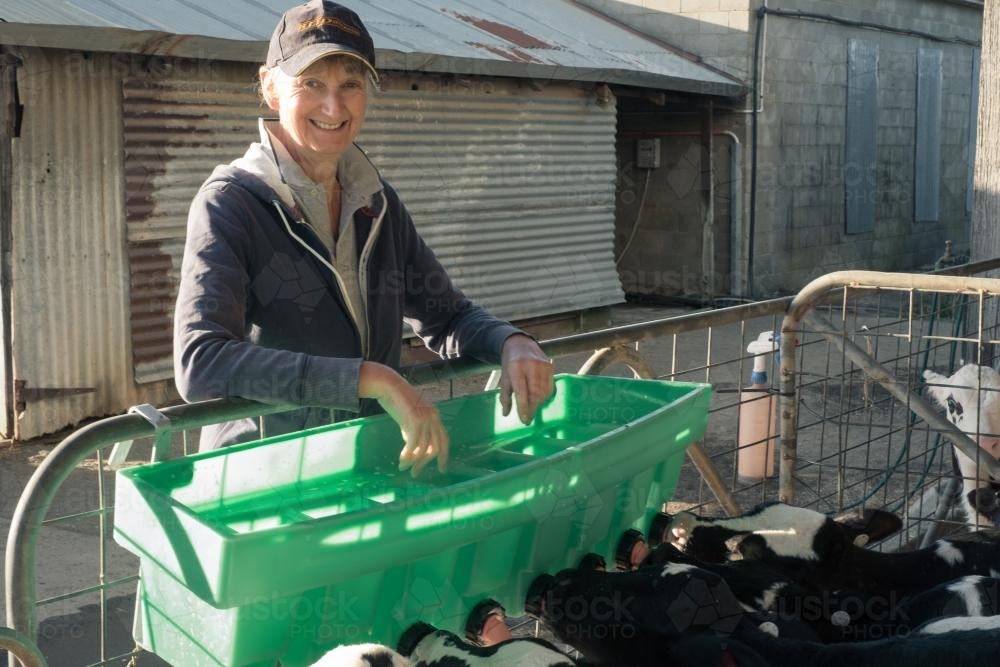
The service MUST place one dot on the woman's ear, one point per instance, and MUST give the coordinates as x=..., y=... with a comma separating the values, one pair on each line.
x=267, y=87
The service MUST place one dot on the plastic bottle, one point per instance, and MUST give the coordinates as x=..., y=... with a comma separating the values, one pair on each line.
x=758, y=430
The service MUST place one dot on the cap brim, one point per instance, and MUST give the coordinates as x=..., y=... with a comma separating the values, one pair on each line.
x=310, y=54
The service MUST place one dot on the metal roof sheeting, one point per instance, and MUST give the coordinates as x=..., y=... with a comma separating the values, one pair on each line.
x=543, y=39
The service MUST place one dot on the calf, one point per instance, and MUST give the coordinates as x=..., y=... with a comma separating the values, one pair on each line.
x=766, y=595
x=790, y=529
x=426, y=645
x=362, y=655
x=630, y=618
x=659, y=616
x=973, y=642
x=423, y=645
x=972, y=398
x=801, y=612
x=972, y=596
x=815, y=551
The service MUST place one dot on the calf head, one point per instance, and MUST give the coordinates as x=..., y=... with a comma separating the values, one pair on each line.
x=972, y=399
x=362, y=655
x=428, y=646
x=776, y=530
x=631, y=618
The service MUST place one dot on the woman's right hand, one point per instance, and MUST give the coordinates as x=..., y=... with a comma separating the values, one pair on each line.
x=424, y=436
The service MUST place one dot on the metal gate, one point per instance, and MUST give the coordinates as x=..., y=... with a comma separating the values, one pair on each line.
x=859, y=426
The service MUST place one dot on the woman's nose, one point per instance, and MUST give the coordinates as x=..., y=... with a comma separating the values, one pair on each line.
x=332, y=102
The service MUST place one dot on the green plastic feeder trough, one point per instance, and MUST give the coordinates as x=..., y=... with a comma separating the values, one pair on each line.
x=283, y=548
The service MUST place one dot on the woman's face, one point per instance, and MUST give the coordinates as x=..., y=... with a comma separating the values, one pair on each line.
x=320, y=111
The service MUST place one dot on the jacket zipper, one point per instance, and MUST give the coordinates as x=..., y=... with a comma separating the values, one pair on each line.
x=363, y=266
x=340, y=282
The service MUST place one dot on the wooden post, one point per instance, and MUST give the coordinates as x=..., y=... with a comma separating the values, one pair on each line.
x=985, y=242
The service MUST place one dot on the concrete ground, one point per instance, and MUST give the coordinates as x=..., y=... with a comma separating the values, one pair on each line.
x=69, y=553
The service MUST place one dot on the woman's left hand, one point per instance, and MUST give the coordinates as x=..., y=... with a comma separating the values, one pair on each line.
x=526, y=373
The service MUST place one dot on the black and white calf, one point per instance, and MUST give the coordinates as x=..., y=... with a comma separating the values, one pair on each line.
x=769, y=598
x=972, y=398
x=426, y=645
x=801, y=612
x=789, y=529
x=423, y=645
x=971, y=596
x=679, y=616
x=945, y=644
x=633, y=618
x=817, y=552
x=362, y=655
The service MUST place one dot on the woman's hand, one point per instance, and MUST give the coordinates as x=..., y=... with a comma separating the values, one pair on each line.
x=424, y=437
x=527, y=374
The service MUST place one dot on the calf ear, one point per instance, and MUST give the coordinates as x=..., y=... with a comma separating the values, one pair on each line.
x=933, y=382
x=870, y=525
x=415, y=634
x=752, y=547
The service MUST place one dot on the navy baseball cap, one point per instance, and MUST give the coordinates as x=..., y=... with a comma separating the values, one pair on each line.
x=315, y=30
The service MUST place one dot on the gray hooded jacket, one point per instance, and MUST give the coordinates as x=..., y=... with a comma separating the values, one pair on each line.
x=261, y=312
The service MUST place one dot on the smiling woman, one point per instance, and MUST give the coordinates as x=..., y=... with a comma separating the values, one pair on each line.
x=295, y=255
x=321, y=111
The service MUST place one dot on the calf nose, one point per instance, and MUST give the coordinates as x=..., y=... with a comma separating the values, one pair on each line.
x=412, y=637
x=991, y=445
x=658, y=529
x=539, y=589
x=984, y=500
x=592, y=561
x=631, y=550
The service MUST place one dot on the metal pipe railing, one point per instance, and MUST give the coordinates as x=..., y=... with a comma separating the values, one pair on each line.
x=21, y=648
x=39, y=492
x=614, y=336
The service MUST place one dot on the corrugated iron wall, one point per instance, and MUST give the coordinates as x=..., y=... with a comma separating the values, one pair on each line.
x=514, y=191
x=70, y=278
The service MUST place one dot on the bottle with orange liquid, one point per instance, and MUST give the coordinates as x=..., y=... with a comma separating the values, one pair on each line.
x=758, y=428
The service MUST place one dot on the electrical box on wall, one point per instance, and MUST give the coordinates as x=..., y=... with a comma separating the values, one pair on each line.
x=647, y=153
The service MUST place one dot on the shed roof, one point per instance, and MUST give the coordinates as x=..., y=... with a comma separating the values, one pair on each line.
x=538, y=39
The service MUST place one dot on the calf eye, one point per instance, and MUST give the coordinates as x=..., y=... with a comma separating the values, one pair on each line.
x=954, y=407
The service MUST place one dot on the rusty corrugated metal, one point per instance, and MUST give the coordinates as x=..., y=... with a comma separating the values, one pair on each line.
x=543, y=39
x=70, y=279
x=176, y=132
x=515, y=192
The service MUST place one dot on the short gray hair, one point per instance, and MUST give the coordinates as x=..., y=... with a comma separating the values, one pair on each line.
x=350, y=63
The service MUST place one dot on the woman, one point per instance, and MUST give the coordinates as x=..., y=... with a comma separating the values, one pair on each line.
x=301, y=263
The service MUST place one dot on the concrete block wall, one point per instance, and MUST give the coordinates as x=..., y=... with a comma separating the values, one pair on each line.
x=660, y=247
x=800, y=228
